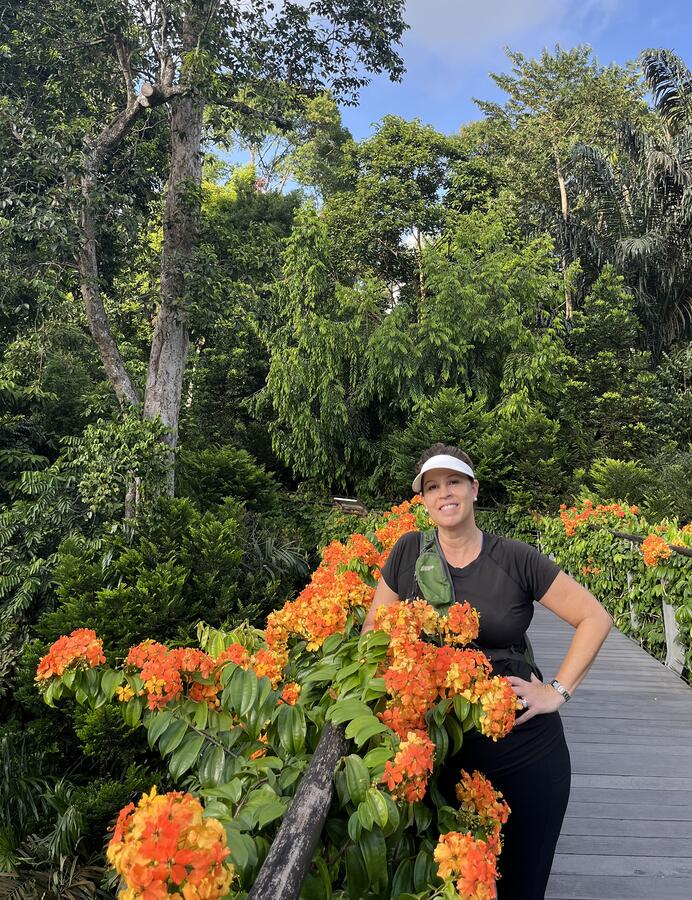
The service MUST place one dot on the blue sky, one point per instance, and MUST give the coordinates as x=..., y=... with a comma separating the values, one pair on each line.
x=452, y=45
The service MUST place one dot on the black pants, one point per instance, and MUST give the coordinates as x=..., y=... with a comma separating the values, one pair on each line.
x=537, y=793
x=537, y=796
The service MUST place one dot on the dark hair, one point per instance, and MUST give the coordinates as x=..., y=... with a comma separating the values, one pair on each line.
x=443, y=450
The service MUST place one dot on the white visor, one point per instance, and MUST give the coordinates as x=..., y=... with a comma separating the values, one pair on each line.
x=441, y=462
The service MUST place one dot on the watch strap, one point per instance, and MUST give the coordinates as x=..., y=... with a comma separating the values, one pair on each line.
x=561, y=689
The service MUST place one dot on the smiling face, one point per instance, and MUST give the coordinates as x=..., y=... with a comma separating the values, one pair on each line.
x=448, y=496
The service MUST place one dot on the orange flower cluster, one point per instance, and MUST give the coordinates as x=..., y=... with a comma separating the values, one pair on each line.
x=471, y=863
x=499, y=705
x=479, y=798
x=420, y=673
x=407, y=776
x=290, y=693
x=166, y=673
x=79, y=650
x=321, y=608
x=573, y=518
x=654, y=548
x=164, y=847
x=461, y=624
x=398, y=521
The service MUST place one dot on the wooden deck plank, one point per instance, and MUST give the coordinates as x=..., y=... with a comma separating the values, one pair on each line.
x=627, y=833
x=606, y=844
x=615, y=887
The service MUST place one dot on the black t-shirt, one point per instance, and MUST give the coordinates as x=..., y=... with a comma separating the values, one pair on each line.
x=502, y=583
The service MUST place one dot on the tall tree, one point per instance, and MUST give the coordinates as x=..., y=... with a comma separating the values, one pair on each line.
x=637, y=204
x=251, y=59
x=555, y=102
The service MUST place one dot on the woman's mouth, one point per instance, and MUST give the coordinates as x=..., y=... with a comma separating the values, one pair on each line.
x=446, y=507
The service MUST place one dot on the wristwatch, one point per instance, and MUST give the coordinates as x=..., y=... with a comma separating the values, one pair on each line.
x=561, y=689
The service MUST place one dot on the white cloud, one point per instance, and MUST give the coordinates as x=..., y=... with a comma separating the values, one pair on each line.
x=471, y=26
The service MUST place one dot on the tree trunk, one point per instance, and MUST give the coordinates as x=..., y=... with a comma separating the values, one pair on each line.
x=564, y=207
x=170, y=341
x=283, y=871
x=97, y=317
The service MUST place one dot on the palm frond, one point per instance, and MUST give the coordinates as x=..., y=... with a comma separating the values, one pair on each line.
x=670, y=82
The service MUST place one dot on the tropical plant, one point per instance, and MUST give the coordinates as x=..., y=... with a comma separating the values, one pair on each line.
x=639, y=203
x=240, y=718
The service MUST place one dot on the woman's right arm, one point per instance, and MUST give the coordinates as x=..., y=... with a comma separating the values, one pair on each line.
x=384, y=596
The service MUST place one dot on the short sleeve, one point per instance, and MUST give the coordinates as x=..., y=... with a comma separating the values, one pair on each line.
x=399, y=555
x=538, y=572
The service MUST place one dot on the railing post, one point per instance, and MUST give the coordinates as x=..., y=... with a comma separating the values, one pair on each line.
x=634, y=618
x=675, y=652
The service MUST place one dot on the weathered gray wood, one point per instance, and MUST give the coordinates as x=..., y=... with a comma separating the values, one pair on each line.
x=626, y=827
x=628, y=795
x=615, y=887
x=283, y=872
x=627, y=834
x=602, y=864
x=616, y=845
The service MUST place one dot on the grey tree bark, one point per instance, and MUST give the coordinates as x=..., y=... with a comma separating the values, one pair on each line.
x=169, y=346
x=283, y=871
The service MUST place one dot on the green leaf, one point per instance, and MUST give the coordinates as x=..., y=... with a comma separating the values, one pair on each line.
x=363, y=728
x=374, y=850
x=172, y=736
x=365, y=816
x=422, y=815
x=403, y=878
x=346, y=710
x=110, y=680
x=378, y=805
x=132, y=711
x=374, y=689
x=249, y=693
x=356, y=874
x=424, y=871
x=212, y=769
x=455, y=732
x=298, y=728
x=372, y=639
x=157, y=724
x=461, y=707
x=201, y=714
x=354, y=827
x=186, y=755
x=270, y=811
x=357, y=778
x=376, y=760
x=284, y=726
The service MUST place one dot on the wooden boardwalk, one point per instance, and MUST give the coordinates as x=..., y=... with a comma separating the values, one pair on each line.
x=627, y=834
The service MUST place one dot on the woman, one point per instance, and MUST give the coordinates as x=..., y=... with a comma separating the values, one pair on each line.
x=502, y=578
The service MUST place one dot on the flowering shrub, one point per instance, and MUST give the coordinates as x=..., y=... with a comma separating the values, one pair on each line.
x=164, y=847
x=81, y=649
x=633, y=580
x=654, y=549
x=240, y=716
x=469, y=862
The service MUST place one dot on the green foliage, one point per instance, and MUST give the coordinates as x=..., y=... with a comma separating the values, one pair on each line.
x=177, y=567
x=210, y=475
x=628, y=480
x=613, y=569
x=113, y=457
x=670, y=494
x=45, y=508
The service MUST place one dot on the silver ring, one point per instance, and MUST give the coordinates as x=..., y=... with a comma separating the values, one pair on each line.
x=524, y=702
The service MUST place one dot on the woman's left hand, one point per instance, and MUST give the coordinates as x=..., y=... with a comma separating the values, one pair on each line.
x=540, y=698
